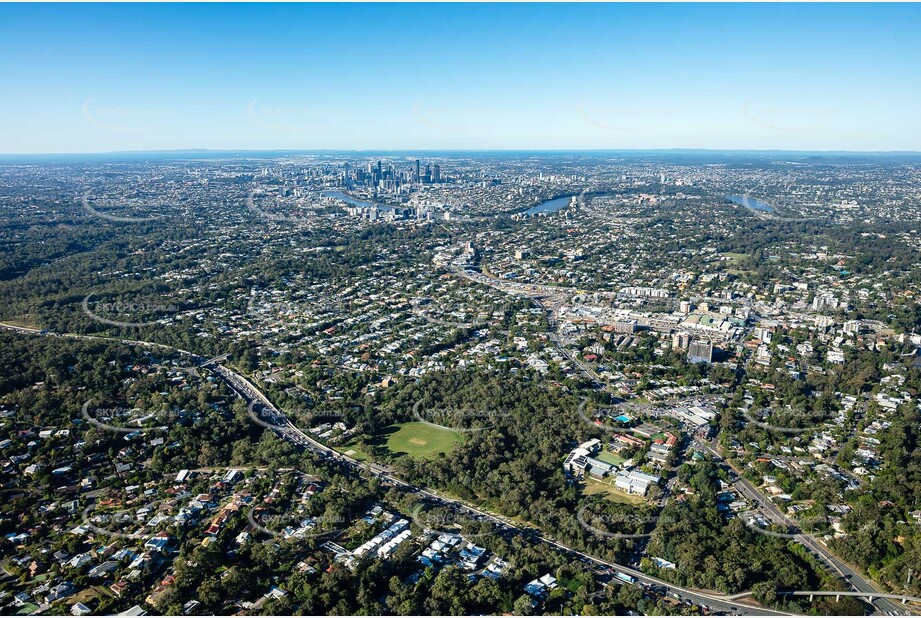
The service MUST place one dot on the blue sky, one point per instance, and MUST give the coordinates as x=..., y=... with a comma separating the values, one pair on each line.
x=96, y=78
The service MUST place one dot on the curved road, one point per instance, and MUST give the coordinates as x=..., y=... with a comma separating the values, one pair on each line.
x=279, y=423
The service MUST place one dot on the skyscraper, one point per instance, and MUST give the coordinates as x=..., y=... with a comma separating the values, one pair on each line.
x=418, y=175
x=437, y=176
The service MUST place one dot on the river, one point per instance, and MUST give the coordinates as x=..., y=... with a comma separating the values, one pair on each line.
x=557, y=203
x=750, y=202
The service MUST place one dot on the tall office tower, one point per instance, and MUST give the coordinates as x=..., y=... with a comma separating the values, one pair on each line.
x=428, y=173
x=418, y=174
x=437, y=177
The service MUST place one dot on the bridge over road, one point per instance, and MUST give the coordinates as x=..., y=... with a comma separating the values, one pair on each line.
x=868, y=596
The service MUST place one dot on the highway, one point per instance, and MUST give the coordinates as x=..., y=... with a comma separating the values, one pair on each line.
x=772, y=512
x=273, y=419
x=825, y=593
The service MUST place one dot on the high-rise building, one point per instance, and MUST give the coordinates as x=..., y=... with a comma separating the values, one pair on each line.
x=418, y=176
x=700, y=352
x=681, y=341
x=437, y=176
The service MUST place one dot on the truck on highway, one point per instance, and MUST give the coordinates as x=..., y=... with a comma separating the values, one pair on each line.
x=625, y=578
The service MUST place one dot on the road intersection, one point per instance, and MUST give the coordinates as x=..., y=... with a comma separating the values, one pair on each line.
x=272, y=418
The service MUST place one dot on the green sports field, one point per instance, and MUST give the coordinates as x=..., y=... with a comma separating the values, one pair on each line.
x=609, y=457
x=421, y=439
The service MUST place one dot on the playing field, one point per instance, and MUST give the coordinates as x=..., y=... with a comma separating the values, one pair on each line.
x=609, y=457
x=421, y=439
x=734, y=258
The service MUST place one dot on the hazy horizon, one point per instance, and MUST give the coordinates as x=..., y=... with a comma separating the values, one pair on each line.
x=463, y=151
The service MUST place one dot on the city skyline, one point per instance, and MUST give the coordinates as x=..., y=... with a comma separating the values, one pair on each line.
x=443, y=309
x=101, y=79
